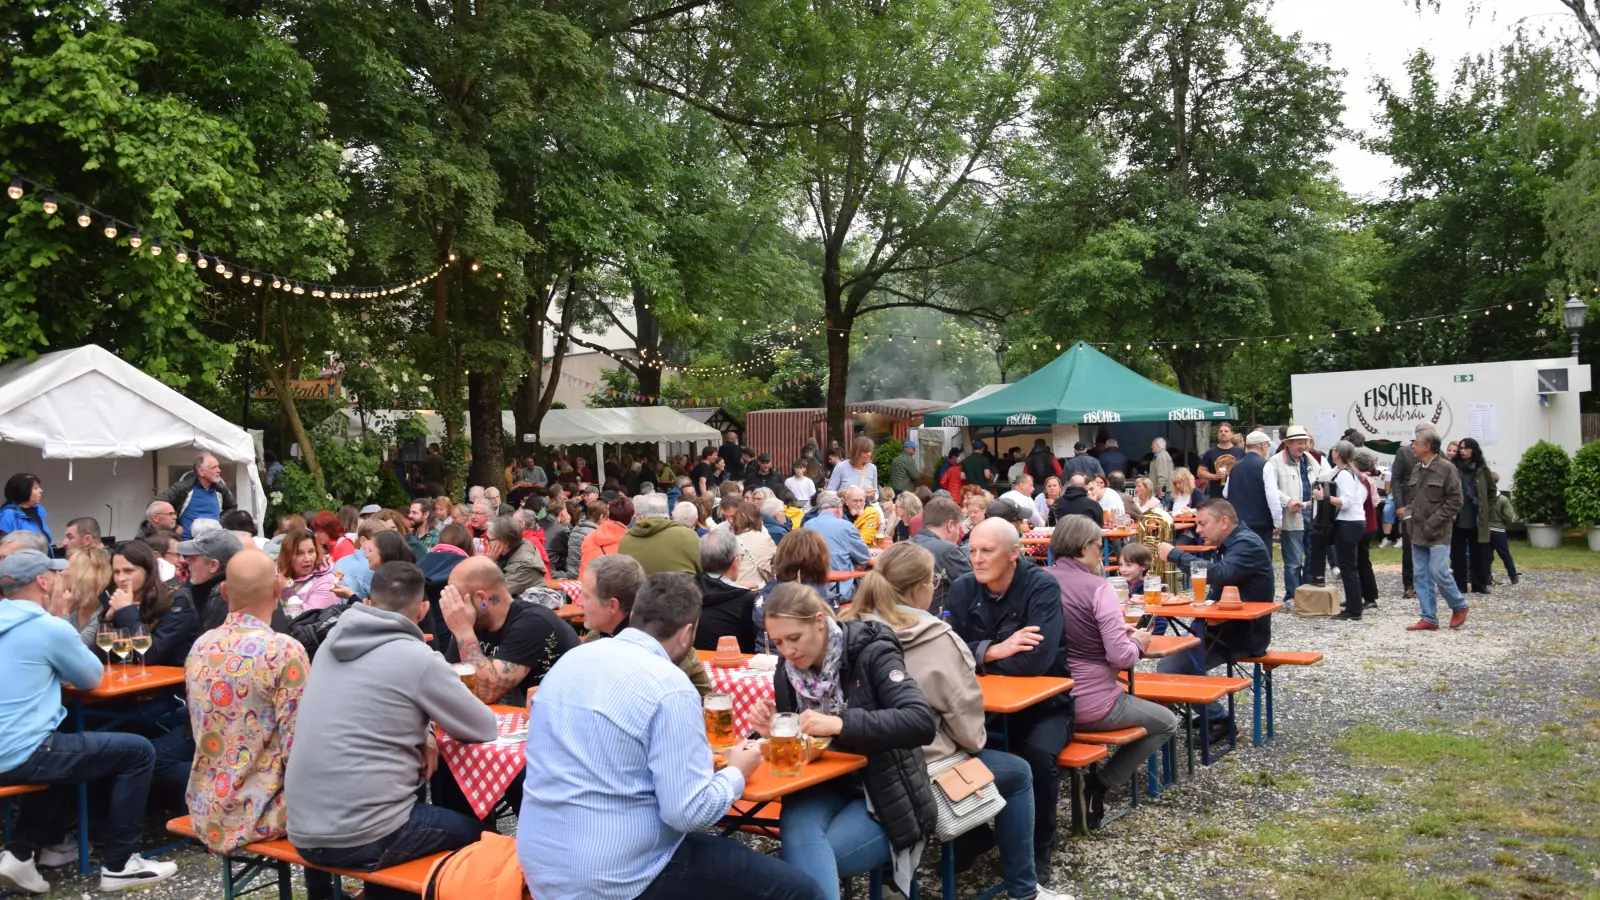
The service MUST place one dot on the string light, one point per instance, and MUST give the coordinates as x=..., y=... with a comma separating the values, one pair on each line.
x=155, y=246
x=134, y=240
x=14, y=191
x=50, y=204
x=110, y=230
x=84, y=220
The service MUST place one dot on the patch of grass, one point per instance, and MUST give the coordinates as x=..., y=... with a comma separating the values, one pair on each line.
x=1208, y=833
x=1289, y=781
x=1478, y=879
x=1372, y=881
x=1573, y=555
x=1511, y=842
x=1505, y=858
x=1557, y=848
x=1360, y=802
x=1431, y=825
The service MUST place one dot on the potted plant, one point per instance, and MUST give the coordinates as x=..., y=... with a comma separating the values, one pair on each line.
x=1540, y=493
x=1583, y=491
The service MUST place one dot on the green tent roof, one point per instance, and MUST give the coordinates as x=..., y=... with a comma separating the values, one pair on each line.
x=1080, y=387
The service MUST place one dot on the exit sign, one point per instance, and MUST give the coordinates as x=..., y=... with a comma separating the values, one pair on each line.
x=1463, y=378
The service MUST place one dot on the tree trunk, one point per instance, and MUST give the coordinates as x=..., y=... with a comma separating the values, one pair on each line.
x=647, y=331
x=531, y=384
x=838, y=378
x=488, y=432
x=280, y=385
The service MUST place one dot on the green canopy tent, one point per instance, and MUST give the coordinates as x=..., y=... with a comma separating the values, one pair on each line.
x=1080, y=387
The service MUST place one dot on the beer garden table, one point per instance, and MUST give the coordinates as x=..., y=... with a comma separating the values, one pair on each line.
x=113, y=688
x=485, y=771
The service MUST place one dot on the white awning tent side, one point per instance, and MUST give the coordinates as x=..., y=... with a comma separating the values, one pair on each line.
x=84, y=421
x=570, y=427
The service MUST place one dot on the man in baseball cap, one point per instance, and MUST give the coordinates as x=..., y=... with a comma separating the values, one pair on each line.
x=370, y=510
x=207, y=557
x=42, y=653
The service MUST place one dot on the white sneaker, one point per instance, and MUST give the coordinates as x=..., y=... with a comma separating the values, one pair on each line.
x=1386, y=543
x=137, y=873
x=57, y=855
x=21, y=876
x=1047, y=894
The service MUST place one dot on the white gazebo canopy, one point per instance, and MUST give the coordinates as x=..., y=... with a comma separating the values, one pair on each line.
x=80, y=411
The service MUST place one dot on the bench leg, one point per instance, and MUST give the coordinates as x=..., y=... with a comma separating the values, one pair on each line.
x=1272, y=716
x=1256, y=738
x=1080, y=816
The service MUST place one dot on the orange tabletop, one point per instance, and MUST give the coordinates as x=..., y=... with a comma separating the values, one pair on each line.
x=1182, y=526
x=1036, y=541
x=110, y=687
x=763, y=786
x=1165, y=645
x=1213, y=613
x=846, y=576
x=571, y=612
x=1112, y=533
x=1195, y=548
x=1015, y=693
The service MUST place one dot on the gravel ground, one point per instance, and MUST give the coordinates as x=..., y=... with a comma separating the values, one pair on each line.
x=1519, y=667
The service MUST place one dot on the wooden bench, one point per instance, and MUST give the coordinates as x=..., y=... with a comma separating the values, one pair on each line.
x=1186, y=693
x=1120, y=737
x=1076, y=758
x=16, y=790
x=244, y=864
x=767, y=825
x=1261, y=675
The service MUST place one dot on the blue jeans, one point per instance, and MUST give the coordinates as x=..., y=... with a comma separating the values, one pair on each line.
x=709, y=866
x=430, y=830
x=1037, y=735
x=1013, y=827
x=1294, y=561
x=66, y=760
x=1431, y=569
x=828, y=835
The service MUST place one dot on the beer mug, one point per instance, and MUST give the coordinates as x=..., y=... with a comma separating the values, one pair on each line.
x=468, y=673
x=787, y=746
x=1197, y=581
x=1153, y=588
x=718, y=710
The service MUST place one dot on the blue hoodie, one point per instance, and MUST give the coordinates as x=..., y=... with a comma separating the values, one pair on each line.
x=37, y=652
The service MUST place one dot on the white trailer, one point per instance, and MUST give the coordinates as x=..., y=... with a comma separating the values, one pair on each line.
x=1507, y=406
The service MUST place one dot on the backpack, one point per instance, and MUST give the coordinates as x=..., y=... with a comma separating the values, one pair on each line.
x=1326, y=513
x=311, y=627
x=484, y=870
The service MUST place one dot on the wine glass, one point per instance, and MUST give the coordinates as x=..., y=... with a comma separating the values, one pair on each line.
x=103, y=639
x=122, y=646
x=141, y=645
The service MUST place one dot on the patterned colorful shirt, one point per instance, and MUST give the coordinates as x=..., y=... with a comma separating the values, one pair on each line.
x=244, y=684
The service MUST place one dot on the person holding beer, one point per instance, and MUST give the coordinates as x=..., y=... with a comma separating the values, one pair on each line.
x=849, y=682
x=898, y=593
x=619, y=774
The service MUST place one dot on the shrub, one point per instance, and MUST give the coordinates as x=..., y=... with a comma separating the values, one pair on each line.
x=885, y=454
x=1583, y=486
x=1541, y=481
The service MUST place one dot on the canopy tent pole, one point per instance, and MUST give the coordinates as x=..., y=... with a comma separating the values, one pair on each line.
x=599, y=462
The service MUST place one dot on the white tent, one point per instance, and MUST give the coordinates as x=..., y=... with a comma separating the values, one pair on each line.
x=568, y=427
x=84, y=421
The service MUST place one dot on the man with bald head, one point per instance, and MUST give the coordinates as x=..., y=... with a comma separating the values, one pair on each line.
x=510, y=642
x=1008, y=610
x=244, y=682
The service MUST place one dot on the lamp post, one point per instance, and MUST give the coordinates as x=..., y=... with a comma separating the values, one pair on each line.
x=1000, y=358
x=1574, y=312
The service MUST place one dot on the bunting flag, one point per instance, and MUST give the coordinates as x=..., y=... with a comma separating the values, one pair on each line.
x=680, y=402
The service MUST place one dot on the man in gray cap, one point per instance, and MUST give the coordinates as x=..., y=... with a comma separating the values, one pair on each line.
x=370, y=510
x=43, y=652
x=207, y=557
x=1081, y=463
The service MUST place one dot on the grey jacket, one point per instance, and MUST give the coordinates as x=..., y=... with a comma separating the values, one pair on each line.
x=1433, y=498
x=949, y=563
x=1400, y=474
x=523, y=569
x=362, y=725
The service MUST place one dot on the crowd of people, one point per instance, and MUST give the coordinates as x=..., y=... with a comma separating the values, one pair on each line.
x=321, y=662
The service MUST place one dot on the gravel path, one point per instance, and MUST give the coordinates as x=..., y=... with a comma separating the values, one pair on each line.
x=1519, y=667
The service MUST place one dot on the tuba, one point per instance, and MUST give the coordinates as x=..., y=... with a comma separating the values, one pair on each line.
x=1155, y=529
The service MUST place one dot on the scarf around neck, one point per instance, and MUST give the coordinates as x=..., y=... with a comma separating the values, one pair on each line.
x=821, y=691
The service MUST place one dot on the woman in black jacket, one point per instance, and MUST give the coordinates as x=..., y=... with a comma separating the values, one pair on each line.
x=849, y=682
x=138, y=597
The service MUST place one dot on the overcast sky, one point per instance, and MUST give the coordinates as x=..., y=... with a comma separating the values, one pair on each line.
x=1370, y=38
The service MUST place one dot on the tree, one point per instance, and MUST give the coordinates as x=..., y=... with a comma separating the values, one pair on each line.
x=894, y=122
x=1187, y=140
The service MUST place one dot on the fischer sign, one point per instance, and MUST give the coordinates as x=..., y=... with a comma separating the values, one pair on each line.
x=1394, y=410
x=1101, y=416
x=1185, y=414
x=1022, y=419
x=953, y=422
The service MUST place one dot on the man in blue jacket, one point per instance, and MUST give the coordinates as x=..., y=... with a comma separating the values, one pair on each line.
x=846, y=549
x=1246, y=563
x=1008, y=610
x=38, y=652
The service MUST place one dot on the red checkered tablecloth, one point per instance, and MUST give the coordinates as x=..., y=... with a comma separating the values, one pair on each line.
x=573, y=589
x=484, y=771
x=746, y=686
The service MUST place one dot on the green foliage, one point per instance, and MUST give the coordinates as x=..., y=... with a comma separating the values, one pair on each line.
x=1583, y=486
x=297, y=493
x=1541, y=484
x=885, y=453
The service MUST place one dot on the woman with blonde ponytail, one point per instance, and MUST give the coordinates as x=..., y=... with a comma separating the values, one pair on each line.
x=897, y=593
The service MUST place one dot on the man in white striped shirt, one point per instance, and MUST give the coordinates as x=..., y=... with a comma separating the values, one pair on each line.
x=619, y=780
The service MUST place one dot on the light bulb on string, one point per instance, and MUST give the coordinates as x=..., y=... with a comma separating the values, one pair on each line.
x=84, y=220
x=183, y=256
x=474, y=267
x=227, y=274
x=155, y=246
x=50, y=204
x=15, y=190
x=256, y=281
x=110, y=231
x=134, y=240
x=276, y=283
x=299, y=290
x=201, y=261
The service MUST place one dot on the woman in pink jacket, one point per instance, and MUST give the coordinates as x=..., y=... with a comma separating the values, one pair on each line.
x=310, y=574
x=1099, y=645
